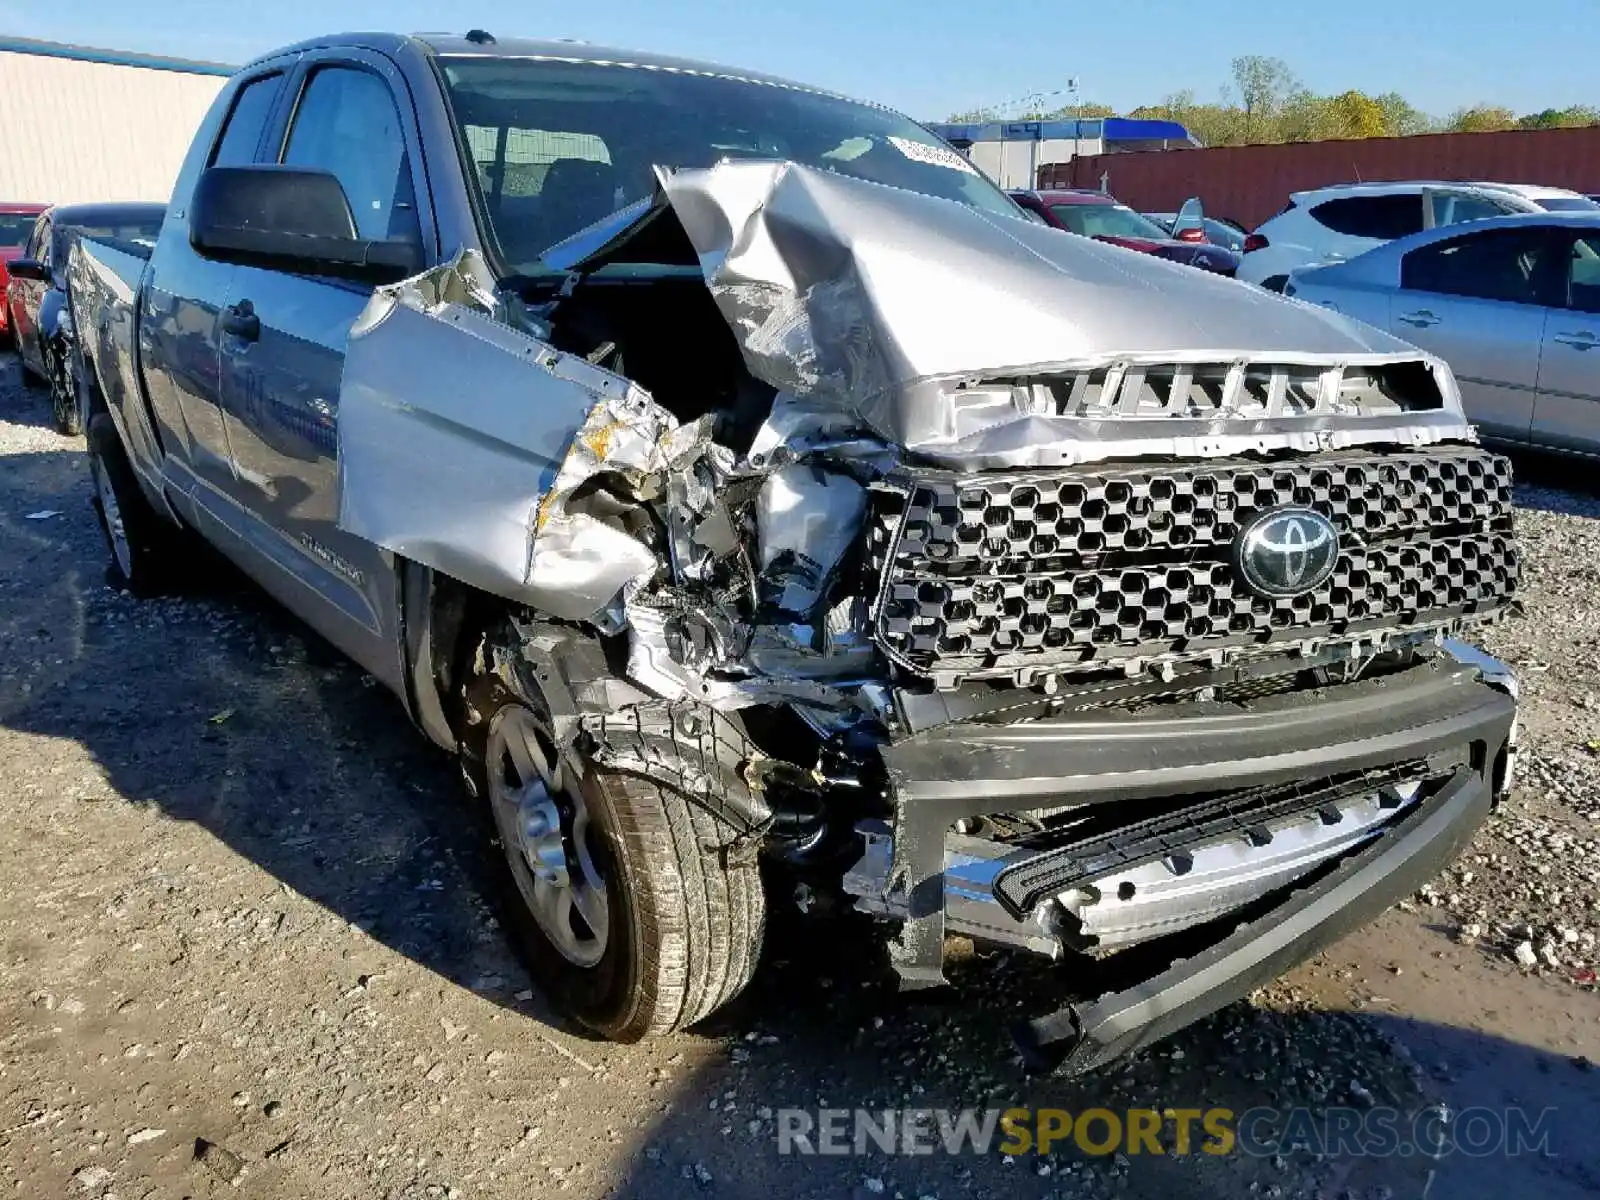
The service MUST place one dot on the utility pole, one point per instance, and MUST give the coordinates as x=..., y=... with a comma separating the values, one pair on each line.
x=1077, y=115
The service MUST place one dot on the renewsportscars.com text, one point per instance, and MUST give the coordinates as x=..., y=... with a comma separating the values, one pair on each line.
x=1259, y=1132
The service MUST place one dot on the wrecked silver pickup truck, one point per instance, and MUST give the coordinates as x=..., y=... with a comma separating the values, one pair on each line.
x=766, y=513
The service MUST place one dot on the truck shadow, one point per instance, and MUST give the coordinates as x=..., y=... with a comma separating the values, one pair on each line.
x=1556, y=483
x=829, y=1039
x=219, y=709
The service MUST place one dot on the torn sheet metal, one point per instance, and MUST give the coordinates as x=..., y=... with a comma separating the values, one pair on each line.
x=892, y=307
x=462, y=442
x=807, y=519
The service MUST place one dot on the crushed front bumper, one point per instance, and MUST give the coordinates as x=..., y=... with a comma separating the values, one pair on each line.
x=1080, y=1037
x=1452, y=719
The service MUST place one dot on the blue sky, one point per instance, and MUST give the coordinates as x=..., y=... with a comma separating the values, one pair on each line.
x=934, y=56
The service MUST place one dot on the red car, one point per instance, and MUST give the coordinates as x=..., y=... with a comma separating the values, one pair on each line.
x=16, y=224
x=1097, y=215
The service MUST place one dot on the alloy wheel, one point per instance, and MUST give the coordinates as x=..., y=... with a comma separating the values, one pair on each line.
x=545, y=830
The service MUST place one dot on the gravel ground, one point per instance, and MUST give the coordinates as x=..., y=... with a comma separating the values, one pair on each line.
x=248, y=950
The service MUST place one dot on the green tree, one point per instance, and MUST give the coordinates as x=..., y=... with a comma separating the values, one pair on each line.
x=1266, y=103
x=1304, y=117
x=1357, y=115
x=1263, y=84
x=1561, y=118
x=1081, y=112
x=1481, y=118
x=1400, y=118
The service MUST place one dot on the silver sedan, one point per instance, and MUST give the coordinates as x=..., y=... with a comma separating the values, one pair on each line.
x=1512, y=304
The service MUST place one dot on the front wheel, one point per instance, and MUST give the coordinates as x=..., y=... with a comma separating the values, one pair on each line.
x=636, y=918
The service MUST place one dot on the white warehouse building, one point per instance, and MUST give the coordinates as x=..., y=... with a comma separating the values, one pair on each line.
x=83, y=125
x=1011, y=152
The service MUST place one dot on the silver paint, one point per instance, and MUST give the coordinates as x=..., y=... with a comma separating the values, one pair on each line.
x=924, y=320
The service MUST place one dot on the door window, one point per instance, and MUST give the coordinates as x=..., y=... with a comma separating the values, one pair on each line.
x=1499, y=264
x=1381, y=217
x=1583, y=275
x=347, y=124
x=241, y=135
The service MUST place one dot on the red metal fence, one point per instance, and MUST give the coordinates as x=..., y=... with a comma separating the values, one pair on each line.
x=1250, y=183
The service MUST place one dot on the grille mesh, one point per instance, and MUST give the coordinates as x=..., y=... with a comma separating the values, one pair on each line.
x=1097, y=566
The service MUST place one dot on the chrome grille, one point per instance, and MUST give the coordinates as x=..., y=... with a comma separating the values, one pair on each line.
x=983, y=573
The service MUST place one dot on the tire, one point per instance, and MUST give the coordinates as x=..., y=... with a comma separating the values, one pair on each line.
x=141, y=542
x=63, y=397
x=684, y=916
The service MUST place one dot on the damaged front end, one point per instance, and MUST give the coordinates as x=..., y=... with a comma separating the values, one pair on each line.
x=930, y=523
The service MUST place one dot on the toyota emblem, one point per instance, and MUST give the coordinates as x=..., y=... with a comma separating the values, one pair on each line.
x=1286, y=551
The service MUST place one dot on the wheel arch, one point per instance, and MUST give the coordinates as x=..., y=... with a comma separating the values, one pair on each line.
x=443, y=625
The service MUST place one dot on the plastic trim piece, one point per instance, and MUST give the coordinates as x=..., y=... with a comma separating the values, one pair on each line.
x=1352, y=894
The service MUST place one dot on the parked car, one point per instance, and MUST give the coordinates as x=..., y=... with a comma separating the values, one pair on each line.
x=746, y=523
x=1548, y=199
x=1099, y=216
x=1211, y=229
x=1333, y=224
x=1512, y=304
x=36, y=295
x=16, y=223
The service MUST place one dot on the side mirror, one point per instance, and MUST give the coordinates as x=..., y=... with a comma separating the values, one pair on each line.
x=291, y=219
x=28, y=268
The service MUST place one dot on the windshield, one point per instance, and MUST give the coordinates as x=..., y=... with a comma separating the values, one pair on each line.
x=1565, y=203
x=1107, y=220
x=556, y=146
x=15, y=228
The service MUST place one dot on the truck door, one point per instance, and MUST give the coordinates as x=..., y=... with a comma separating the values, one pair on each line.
x=283, y=350
x=178, y=321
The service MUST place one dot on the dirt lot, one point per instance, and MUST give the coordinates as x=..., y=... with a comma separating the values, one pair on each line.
x=247, y=947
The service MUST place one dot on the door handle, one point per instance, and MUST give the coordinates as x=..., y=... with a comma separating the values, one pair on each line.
x=241, y=321
x=1582, y=340
x=1421, y=319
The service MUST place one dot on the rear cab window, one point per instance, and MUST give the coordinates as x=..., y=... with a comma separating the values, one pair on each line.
x=1382, y=218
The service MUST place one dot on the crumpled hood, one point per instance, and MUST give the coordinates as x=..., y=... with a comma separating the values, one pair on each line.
x=844, y=290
